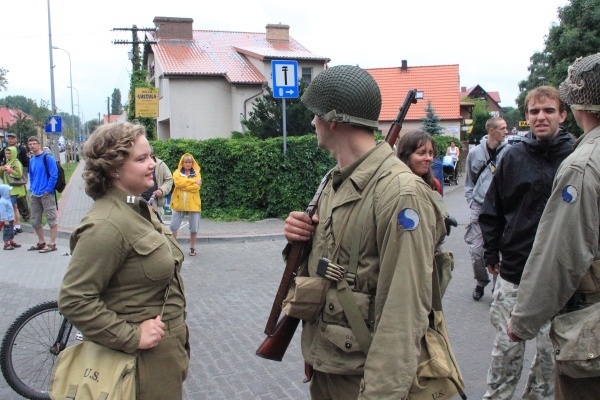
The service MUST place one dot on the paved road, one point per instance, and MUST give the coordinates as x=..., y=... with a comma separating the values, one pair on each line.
x=230, y=287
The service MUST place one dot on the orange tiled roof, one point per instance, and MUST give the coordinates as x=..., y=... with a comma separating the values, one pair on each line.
x=225, y=53
x=439, y=83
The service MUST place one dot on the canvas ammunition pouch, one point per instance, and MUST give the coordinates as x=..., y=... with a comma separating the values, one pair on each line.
x=576, y=330
x=306, y=297
x=576, y=345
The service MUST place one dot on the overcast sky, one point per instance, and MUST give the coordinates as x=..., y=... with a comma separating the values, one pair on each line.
x=490, y=41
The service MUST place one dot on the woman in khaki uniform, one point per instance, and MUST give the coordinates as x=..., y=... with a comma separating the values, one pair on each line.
x=122, y=261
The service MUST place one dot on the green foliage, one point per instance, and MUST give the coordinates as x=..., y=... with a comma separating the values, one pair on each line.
x=480, y=114
x=138, y=79
x=91, y=125
x=116, y=108
x=443, y=142
x=30, y=107
x=251, y=179
x=512, y=116
x=3, y=80
x=266, y=119
x=24, y=128
x=431, y=122
x=577, y=35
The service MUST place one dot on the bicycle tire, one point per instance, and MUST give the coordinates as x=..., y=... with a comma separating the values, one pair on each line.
x=25, y=357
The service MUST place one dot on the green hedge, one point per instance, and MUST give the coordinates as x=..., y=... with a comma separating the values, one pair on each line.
x=246, y=179
x=443, y=142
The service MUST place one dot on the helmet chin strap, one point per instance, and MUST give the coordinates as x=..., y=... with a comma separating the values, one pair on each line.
x=334, y=116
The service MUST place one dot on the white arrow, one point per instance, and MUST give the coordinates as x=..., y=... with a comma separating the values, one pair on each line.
x=53, y=124
x=290, y=91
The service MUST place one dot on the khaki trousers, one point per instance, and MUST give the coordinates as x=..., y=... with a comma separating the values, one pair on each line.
x=567, y=388
x=334, y=387
x=162, y=369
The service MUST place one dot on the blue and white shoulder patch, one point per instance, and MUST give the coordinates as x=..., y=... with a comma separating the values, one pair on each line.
x=569, y=194
x=408, y=219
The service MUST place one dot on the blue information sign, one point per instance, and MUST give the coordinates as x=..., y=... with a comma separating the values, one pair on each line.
x=285, y=79
x=53, y=124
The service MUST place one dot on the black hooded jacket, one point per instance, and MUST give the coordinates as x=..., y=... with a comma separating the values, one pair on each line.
x=516, y=199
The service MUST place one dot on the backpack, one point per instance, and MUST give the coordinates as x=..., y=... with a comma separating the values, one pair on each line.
x=61, y=182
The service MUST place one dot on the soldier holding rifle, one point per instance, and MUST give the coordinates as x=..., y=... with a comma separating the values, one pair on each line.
x=372, y=241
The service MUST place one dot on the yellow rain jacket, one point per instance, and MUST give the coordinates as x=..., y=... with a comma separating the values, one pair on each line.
x=186, y=195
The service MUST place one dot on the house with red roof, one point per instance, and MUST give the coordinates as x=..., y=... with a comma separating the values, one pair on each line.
x=438, y=84
x=8, y=117
x=208, y=80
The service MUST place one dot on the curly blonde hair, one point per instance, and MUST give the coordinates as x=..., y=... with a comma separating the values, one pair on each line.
x=104, y=152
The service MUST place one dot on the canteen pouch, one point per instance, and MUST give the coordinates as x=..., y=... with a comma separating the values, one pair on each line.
x=306, y=297
x=576, y=339
x=438, y=376
x=91, y=371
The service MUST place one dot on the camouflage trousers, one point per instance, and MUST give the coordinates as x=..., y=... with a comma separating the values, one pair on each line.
x=507, y=357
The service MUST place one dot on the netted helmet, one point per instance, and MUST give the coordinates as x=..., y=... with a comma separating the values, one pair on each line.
x=344, y=93
x=581, y=89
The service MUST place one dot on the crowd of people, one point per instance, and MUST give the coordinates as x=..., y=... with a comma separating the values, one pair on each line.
x=533, y=231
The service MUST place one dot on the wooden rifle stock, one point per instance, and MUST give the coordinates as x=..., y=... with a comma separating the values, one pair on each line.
x=279, y=334
x=396, y=127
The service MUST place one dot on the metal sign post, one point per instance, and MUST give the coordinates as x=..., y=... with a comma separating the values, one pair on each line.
x=285, y=86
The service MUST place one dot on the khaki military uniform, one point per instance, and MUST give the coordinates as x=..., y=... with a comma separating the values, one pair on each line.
x=399, y=228
x=566, y=245
x=122, y=260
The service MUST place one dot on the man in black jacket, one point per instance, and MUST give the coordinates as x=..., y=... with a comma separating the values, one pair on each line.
x=509, y=219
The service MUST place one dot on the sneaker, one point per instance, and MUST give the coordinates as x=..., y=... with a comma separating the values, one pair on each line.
x=18, y=230
x=15, y=245
x=9, y=247
x=477, y=293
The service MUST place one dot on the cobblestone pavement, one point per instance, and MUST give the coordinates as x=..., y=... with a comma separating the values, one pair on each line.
x=230, y=287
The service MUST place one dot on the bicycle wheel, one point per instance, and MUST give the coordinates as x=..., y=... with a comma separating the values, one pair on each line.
x=29, y=349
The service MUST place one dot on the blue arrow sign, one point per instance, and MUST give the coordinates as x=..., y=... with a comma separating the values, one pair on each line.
x=285, y=79
x=53, y=124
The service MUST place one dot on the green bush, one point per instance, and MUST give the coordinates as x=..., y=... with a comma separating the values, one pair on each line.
x=249, y=179
x=443, y=142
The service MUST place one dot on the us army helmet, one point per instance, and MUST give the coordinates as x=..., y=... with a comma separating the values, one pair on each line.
x=345, y=93
x=581, y=89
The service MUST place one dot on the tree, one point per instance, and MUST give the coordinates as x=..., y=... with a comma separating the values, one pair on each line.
x=24, y=127
x=3, y=81
x=91, y=125
x=266, y=119
x=480, y=114
x=138, y=79
x=116, y=108
x=30, y=107
x=576, y=35
x=512, y=116
x=431, y=122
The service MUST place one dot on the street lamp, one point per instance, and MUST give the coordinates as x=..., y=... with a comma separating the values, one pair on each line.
x=71, y=86
x=78, y=125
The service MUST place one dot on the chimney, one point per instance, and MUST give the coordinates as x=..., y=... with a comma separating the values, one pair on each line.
x=463, y=89
x=404, y=65
x=174, y=28
x=278, y=32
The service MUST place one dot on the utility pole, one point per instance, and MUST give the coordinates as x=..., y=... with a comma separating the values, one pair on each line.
x=135, y=42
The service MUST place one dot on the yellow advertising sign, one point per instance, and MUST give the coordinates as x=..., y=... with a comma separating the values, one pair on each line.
x=146, y=102
x=523, y=124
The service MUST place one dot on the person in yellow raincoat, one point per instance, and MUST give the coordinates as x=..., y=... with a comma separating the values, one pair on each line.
x=186, y=197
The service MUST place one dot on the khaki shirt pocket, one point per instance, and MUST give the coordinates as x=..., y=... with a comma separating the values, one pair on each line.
x=154, y=256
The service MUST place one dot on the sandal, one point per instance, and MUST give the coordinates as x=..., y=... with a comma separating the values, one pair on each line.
x=37, y=247
x=192, y=252
x=48, y=248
